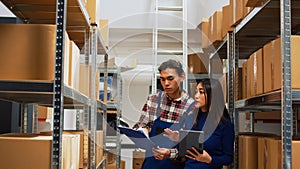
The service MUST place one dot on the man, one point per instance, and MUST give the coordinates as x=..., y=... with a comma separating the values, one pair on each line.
x=165, y=109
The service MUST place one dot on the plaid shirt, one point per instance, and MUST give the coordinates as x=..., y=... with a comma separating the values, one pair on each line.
x=170, y=110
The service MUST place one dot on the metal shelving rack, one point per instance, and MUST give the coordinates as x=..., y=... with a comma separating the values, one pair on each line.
x=70, y=16
x=260, y=26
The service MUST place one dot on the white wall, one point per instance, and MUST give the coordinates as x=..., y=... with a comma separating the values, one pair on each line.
x=137, y=13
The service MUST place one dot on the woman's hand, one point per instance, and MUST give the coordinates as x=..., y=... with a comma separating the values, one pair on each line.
x=171, y=134
x=161, y=153
x=196, y=155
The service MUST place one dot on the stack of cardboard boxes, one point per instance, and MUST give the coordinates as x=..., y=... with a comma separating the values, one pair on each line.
x=264, y=151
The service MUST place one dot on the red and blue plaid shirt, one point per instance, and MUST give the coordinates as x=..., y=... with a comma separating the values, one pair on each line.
x=170, y=110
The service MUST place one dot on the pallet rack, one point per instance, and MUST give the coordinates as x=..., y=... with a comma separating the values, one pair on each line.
x=261, y=25
x=70, y=16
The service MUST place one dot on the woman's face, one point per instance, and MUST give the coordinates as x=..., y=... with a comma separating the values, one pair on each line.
x=200, y=98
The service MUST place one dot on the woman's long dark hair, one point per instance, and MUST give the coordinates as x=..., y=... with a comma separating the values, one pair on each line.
x=215, y=104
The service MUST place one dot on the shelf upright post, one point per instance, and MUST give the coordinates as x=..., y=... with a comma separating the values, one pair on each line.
x=286, y=96
x=232, y=54
x=119, y=116
x=93, y=97
x=86, y=111
x=58, y=99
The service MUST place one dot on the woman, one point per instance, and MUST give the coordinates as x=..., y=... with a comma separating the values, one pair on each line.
x=211, y=117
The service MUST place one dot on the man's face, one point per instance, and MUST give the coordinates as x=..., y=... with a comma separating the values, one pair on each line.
x=170, y=81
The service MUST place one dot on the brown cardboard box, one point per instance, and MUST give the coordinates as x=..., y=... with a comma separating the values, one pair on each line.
x=104, y=31
x=27, y=148
x=91, y=8
x=244, y=79
x=269, y=153
x=227, y=19
x=27, y=52
x=215, y=27
x=205, y=33
x=84, y=76
x=138, y=157
x=295, y=60
x=216, y=66
x=238, y=11
x=113, y=165
x=247, y=10
x=99, y=146
x=250, y=76
x=198, y=63
x=23, y=151
x=247, y=152
x=42, y=112
x=268, y=66
x=255, y=3
x=258, y=72
x=74, y=65
x=295, y=153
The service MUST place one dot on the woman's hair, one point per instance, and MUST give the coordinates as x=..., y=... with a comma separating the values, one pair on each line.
x=172, y=64
x=214, y=99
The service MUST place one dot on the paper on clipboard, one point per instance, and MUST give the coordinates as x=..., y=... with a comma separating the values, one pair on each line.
x=140, y=139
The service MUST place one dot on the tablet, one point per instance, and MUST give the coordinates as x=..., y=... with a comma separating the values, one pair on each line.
x=189, y=139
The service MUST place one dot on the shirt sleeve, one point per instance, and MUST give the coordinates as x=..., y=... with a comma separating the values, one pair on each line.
x=147, y=115
x=228, y=145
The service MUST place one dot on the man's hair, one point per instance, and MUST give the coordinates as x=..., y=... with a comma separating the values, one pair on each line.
x=172, y=64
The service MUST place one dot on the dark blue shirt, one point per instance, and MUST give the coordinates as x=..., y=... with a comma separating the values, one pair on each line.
x=219, y=145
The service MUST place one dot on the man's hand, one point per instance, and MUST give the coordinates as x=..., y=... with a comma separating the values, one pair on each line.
x=171, y=134
x=161, y=153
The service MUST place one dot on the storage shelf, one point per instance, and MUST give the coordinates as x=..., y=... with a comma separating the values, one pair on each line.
x=101, y=164
x=269, y=101
x=41, y=93
x=44, y=12
x=259, y=27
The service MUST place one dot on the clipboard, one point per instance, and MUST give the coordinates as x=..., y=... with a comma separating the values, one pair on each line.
x=189, y=139
x=140, y=139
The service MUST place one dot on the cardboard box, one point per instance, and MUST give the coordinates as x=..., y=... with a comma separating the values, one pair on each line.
x=91, y=8
x=27, y=52
x=104, y=31
x=247, y=152
x=295, y=60
x=42, y=112
x=74, y=65
x=255, y=3
x=215, y=27
x=99, y=146
x=198, y=63
x=238, y=11
x=250, y=81
x=84, y=76
x=27, y=148
x=113, y=165
x=258, y=72
x=138, y=157
x=295, y=153
x=227, y=19
x=245, y=79
x=205, y=33
x=247, y=10
x=268, y=55
x=269, y=153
